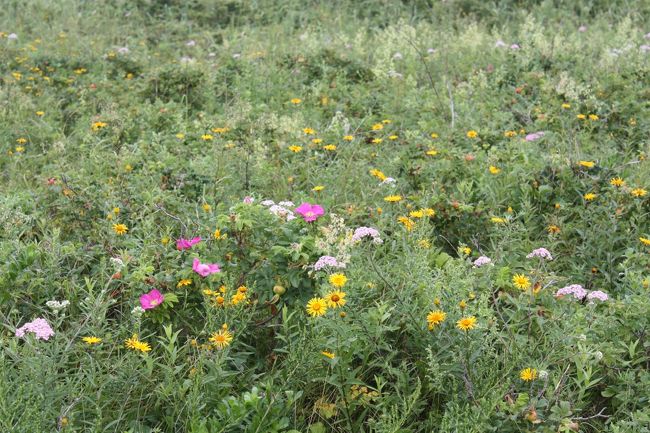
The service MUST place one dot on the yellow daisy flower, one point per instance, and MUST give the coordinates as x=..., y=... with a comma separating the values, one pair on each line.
x=335, y=299
x=528, y=374
x=90, y=340
x=338, y=280
x=222, y=338
x=466, y=323
x=520, y=281
x=316, y=307
x=435, y=317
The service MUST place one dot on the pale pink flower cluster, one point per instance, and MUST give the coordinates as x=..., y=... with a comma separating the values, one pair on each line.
x=327, y=261
x=576, y=290
x=580, y=293
x=363, y=232
x=501, y=44
x=482, y=261
x=541, y=253
x=535, y=136
x=39, y=327
x=597, y=294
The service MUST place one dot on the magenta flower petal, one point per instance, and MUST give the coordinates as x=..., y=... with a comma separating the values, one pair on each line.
x=185, y=244
x=204, y=269
x=310, y=212
x=151, y=300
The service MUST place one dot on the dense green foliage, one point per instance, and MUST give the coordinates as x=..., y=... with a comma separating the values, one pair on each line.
x=459, y=130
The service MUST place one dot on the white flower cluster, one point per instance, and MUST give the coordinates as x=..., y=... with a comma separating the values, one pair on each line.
x=280, y=209
x=57, y=306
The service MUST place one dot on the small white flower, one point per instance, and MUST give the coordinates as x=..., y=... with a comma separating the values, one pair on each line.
x=394, y=74
x=543, y=374
x=57, y=306
x=191, y=43
x=12, y=36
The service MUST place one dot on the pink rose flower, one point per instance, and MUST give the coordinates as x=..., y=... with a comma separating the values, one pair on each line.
x=186, y=244
x=151, y=300
x=205, y=269
x=310, y=212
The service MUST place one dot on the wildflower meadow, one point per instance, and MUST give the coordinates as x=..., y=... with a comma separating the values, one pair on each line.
x=352, y=216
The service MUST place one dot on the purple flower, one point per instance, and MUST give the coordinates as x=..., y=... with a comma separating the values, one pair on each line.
x=327, y=261
x=576, y=290
x=363, y=232
x=39, y=327
x=514, y=47
x=151, y=300
x=535, y=136
x=597, y=294
x=310, y=212
x=582, y=28
x=500, y=44
x=205, y=269
x=186, y=244
x=481, y=261
x=248, y=199
x=541, y=253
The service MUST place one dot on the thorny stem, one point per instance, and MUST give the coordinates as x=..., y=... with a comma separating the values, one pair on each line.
x=164, y=211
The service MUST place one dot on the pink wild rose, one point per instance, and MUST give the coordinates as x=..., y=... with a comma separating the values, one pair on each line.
x=205, y=269
x=310, y=212
x=151, y=300
x=186, y=244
